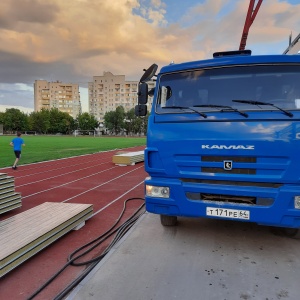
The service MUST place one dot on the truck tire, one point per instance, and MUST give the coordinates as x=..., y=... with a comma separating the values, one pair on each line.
x=291, y=232
x=168, y=220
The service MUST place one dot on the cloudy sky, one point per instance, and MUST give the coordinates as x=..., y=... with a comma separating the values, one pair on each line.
x=74, y=40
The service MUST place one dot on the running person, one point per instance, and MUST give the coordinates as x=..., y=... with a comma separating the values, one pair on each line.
x=17, y=143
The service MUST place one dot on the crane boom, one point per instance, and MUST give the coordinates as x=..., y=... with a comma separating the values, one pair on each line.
x=251, y=14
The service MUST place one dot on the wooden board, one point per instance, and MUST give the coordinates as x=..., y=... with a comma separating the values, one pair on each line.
x=9, y=199
x=27, y=233
x=130, y=158
x=10, y=202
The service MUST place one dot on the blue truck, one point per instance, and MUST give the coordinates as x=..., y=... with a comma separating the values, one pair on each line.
x=223, y=139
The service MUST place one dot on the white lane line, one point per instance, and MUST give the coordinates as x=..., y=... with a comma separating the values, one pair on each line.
x=68, y=183
x=33, y=182
x=79, y=180
x=49, y=161
x=46, y=171
x=77, y=156
x=99, y=185
x=109, y=204
x=46, y=161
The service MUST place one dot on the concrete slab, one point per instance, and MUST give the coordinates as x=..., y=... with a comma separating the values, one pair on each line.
x=128, y=158
x=198, y=259
x=25, y=234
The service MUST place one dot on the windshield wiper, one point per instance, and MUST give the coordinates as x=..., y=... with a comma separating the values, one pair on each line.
x=224, y=108
x=258, y=103
x=186, y=107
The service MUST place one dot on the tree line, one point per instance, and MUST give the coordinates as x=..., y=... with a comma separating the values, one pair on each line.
x=54, y=121
x=121, y=122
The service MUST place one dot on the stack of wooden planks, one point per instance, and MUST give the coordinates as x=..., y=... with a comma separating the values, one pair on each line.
x=129, y=158
x=9, y=199
x=27, y=233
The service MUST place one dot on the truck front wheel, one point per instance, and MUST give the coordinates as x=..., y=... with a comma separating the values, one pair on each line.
x=168, y=220
x=291, y=232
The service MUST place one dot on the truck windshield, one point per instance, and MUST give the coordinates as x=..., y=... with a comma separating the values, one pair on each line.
x=206, y=89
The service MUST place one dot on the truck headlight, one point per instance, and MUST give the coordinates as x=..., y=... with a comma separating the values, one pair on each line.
x=297, y=202
x=158, y=191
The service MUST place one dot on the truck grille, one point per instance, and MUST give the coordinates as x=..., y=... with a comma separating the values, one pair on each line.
x=237, y=183
x=233, y=171
x=217, y=198
x=234, y=159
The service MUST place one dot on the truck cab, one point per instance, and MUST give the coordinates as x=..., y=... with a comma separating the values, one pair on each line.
x=223, y=139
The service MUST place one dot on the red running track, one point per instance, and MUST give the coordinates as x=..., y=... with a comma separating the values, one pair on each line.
x=91, y=179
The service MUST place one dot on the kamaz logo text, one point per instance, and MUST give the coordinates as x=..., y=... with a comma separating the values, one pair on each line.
x=231, y=147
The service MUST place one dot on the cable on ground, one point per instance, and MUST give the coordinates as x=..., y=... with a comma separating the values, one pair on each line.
x=120, y=231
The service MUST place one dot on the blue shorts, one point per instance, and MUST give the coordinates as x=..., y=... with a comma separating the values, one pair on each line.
x=17, y=153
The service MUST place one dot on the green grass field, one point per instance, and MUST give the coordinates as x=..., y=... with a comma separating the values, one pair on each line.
x=42, y=148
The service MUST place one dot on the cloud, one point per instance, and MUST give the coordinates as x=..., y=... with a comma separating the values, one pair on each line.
x=16, y=94
x=23, y=109
x=73, y=40
x=27, y=11
x=19, y=68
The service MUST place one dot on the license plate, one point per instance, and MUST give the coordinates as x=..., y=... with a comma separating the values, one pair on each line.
x=228, y=213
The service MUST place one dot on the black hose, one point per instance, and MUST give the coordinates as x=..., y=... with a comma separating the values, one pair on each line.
x=120, y=231
x=104, y=236
x=95, y=261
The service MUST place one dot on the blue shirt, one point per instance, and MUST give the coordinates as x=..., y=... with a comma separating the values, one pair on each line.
x=18, y=142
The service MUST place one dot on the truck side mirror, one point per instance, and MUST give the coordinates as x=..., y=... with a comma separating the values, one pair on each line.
x=143, y=93
x=151, y=92
x=140, y=110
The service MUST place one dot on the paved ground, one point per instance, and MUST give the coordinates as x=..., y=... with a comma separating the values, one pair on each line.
x=198, y=259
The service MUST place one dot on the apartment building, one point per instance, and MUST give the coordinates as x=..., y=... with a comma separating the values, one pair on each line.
x=63, y=96
x=109, y=91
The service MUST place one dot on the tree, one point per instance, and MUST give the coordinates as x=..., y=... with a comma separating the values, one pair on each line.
x=51, y=121
x=86, y=121
x=141, y=125
x=40, y=121
x=133, y=124
x=145, y=124
x=109, y=120
x=61, y=122
x=2, y=116
x=114, y=120
x=55, y=119
x=120, y=117
x=117, y=121
x=14, y=120
x=69, y=124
